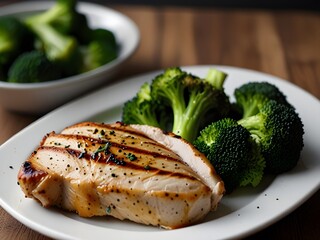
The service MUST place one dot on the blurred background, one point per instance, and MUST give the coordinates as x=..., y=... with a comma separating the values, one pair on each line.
x=280, y=4
x=270, y=4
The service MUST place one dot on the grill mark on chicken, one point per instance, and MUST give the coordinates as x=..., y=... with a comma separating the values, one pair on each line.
x=109, y=128
x=109, y=132
x=110, y=159
x=93, y=141
x=116, y=127
x=87, y=169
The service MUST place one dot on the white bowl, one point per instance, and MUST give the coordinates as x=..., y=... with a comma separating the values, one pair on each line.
x=38, y=98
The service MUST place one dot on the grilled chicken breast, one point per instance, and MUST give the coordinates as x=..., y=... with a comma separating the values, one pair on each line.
x=130, y=172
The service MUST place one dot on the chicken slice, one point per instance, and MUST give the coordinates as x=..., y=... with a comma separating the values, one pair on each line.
x=130, y=172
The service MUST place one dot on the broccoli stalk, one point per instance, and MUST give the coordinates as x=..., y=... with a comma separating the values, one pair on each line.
x=168, y=89
x=51, y=28
x=187, y=115
x=60, y=49
x=57, y=46
x=216, y=78
x=178, y=102
x=191, y=100
x=61, y=16
x=278, y=130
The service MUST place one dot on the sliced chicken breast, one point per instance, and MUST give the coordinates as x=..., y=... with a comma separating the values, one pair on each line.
x=130, y=172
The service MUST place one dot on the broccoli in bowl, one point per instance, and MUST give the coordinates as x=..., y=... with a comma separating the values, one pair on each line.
x=63, y=35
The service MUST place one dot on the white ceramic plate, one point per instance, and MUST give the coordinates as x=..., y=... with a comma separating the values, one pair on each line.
x=239, y=214
x=44, y=96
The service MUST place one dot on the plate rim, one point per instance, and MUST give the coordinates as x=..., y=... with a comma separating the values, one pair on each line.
x=131, y=79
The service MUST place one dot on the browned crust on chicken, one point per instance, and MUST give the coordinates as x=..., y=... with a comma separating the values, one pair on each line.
x=120, y=170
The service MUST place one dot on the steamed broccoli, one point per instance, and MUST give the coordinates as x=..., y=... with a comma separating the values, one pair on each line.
x=141, y=109
x=216, y=78
x=251, y=95
x=266, y=137
x=62, y=33
x=190, y=99
x=51, y=29
x=178, y=102
x=278, y=130
x=105, y=35
x=15, y=38
x=233, y=153
x=81, y=29
x=32, y=67
x=64, y=17
x=259, y=133
x=61, y=16
x=101, y=49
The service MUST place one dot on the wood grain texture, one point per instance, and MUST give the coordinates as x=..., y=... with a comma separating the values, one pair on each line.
x=283, y=43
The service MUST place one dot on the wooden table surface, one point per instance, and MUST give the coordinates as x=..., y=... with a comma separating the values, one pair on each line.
x=283, y=43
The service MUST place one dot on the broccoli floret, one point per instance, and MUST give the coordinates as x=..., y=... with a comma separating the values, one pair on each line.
x=141, y=109
x=15, y=38
x=101, y=49
x=251, y=95
x=61, y=49
x=278, y=130
x=32, y=67
x=81, y=29
x=233, y=153
x=64, y=17
x=191, y=99
x=61, y=16
x=51, y=28
x=105, y=35
x=96, y=54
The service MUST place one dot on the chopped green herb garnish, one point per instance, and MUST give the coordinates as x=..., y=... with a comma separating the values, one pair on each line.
x=131, y=156
x=104, y=148
x=108, y=210
x=147, y=167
